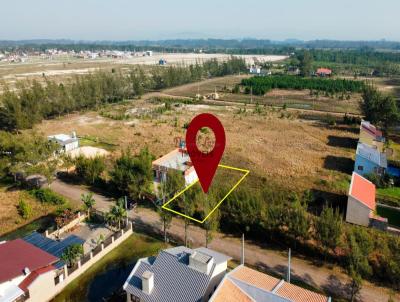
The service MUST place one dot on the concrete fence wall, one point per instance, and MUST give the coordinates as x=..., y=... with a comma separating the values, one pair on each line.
x=52, y=289
x=54, y=235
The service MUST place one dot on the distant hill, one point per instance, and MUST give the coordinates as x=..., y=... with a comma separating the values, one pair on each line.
x=204, y=44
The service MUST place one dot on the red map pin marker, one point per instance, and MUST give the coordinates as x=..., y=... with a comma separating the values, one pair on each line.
x=205, y=164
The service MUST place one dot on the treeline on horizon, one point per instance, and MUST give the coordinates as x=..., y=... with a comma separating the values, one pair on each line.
x=204, y=43
x=32, y=101
x=261, y=85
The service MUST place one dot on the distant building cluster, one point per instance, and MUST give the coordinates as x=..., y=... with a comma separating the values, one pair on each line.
x=49, y=54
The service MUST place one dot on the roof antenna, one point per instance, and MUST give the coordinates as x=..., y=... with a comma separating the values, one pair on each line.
x=242, y=258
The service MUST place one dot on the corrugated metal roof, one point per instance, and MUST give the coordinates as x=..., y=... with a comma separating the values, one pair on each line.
x=372, y=154
x=218, y=257
x=51, y=246
x=174, y=280
x=16, y=255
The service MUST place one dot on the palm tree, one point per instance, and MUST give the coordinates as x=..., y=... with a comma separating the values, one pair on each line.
x=117, y=213
x=89, y=202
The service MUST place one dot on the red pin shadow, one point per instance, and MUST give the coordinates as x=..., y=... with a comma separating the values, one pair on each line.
x=205, y=164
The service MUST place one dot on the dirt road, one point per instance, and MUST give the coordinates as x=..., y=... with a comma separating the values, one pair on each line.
x=330, y=280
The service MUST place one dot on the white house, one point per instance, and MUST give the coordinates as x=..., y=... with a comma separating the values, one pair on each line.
x=361, y=203
x=177, y=160
x=66, y=142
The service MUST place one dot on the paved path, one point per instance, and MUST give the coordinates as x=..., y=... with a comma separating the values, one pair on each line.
x=331, y=280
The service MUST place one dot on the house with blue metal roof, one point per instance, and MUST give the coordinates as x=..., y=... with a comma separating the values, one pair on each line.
x=177, y=274
x=53, y=247
x=369, y=160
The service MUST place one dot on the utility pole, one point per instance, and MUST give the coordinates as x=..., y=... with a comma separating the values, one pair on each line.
x=288, y=271
x=242, y=258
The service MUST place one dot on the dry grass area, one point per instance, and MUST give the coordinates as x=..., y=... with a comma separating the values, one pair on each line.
x=275, y=144
x=10, y=218
x=277, y=97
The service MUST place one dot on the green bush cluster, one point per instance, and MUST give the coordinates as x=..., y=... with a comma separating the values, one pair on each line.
x=261, y=85
x=47, y=196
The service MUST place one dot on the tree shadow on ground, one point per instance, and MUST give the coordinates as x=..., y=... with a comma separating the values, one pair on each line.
x=335, y=287
x=339, y=126
x=323, y=198
x=339, y=163
x=342, y=142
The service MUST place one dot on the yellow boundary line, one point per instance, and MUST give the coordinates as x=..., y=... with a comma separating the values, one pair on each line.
x=246, y=172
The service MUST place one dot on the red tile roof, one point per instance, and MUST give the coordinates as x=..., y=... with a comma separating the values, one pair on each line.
x=258, y=279
x=363, y=190
x=324, y=71
x=17, y=254
x=371, y=129
x=33, y=275
x=230, y=291
x=298, y=294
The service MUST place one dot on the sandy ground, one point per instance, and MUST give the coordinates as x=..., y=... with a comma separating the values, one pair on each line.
x=57, y=67
x=88, y=152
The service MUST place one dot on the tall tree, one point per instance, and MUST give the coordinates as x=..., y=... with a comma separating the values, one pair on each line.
x=378, y=108
x=329, y=227
x=305, y=63
x=132, y=175
x=297, y=220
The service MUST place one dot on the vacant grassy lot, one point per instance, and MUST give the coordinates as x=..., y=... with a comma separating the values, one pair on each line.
x=106, y=277
x=10, y=219
x=274, y=144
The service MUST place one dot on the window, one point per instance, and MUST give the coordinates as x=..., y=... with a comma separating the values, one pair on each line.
x=134, y=298
x=360, y=168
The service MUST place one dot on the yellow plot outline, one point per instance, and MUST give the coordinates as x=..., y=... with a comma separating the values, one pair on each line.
x=246, y=172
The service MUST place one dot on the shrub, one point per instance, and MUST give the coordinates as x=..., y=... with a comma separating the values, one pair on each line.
x=24, y=209
x=47, y=196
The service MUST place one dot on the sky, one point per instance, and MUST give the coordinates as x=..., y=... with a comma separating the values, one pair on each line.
x=170, y=19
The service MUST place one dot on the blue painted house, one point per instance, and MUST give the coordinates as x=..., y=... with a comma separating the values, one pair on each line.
x=369, y=160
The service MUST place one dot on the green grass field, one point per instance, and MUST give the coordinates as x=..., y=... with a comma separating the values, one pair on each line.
x=390, y=196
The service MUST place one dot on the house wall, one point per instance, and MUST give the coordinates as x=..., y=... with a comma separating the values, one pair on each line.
x=71, y=146
x=357, y=212
x=72, y=224
x=191, y=177
x=38, y=290
x=214, y=282
x=368, y=167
